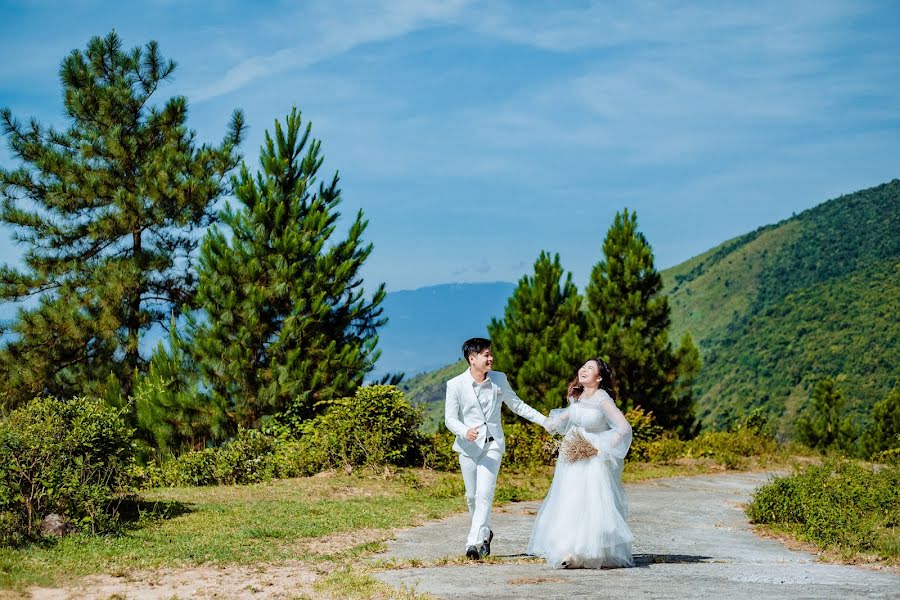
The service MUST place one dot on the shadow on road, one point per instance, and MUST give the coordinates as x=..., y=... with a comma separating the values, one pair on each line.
x=645, y=560
x=640, y=560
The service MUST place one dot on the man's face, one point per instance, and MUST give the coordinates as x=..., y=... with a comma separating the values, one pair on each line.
x=483, y=361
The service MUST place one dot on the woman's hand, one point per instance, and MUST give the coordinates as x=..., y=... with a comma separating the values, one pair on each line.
x=472, y=433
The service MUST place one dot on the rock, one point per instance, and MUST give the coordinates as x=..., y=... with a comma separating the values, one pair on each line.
x=55, y=525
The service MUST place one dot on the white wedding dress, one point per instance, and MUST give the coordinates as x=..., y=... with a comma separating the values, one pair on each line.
x=582, y=521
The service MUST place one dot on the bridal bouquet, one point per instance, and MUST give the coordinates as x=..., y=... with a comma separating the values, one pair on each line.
x=575, y=447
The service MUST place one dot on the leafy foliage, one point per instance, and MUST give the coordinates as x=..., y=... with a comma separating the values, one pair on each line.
x=644, y=431
x=628, y=322
x=881, y=440
x=539, y=342
x=171, y=415
x=249, y=457
x=825, y=425
x=840, y=505
x=288, y=325
x=106, y=210
x=375, y=426
x=69, y=457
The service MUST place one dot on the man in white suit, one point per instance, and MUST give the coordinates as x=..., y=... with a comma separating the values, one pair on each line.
x=472, y=412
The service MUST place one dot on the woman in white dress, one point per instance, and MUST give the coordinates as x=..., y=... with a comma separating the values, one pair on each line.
x=582, y=522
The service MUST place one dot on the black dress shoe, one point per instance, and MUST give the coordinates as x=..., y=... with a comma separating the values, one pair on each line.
x=473, y=553
x=486, y=546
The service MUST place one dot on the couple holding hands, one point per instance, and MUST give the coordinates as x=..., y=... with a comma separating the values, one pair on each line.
x=581, y=522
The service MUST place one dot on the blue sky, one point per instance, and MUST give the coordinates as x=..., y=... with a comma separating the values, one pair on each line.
x=474, y=135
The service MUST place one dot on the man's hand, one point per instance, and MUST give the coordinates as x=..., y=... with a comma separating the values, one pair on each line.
x=472, y=433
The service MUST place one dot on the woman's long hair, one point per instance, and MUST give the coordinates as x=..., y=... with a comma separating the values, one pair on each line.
x=607, y=381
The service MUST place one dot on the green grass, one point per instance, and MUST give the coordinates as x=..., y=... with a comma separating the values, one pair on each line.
x=235, y=525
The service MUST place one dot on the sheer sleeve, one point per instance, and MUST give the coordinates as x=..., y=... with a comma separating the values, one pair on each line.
x=558, y=421
x=615, y=441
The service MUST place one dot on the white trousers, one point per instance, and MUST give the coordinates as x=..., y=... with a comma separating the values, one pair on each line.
x=480, y=476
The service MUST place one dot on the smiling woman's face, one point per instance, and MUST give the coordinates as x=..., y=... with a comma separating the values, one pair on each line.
x=589, y=374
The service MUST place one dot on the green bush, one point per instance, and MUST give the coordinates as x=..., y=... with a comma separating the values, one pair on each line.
x=840, y=504
x=374, y=427
x=644, y=431
x=666, y=449
x=438, y=452
x=730, y=448
x=252, y=456
x=71, y=457
x=527, y=446
x=377, y=426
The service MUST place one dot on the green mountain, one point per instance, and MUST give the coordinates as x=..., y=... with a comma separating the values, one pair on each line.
x=776, y=310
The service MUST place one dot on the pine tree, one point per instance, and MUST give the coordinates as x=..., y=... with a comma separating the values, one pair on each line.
x=106, y=210
x=287, y=324
x=883, y=434
x=823, y=424
x=172, y=415
x=628, y=321
x=538, y=343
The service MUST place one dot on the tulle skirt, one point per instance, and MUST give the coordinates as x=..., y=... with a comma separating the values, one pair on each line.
x=582, y=521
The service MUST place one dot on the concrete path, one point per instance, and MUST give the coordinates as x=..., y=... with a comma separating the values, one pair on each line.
x=692, y=540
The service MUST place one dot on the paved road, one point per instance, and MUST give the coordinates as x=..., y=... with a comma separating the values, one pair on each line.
x=692, y=540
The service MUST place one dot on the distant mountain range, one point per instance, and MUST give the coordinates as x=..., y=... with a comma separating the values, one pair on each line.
x=774, y=311
x=426, y=327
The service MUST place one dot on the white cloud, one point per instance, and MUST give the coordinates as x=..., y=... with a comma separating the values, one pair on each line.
x=327, y=30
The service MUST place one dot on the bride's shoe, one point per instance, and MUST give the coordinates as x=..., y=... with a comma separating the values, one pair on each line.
x=570, y=562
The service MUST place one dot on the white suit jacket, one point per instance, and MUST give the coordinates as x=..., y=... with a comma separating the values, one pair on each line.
x=462, y=410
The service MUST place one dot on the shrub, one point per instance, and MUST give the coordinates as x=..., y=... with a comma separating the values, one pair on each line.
x=527, y=446
x=839, y=504
x=730, y=448
x=70, y=457
x=377, y=426
x=251, y=457
x=438, y=452
x=666, y=449
x=644, y=430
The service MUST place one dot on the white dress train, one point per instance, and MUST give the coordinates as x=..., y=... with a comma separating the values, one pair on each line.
x=582, y=521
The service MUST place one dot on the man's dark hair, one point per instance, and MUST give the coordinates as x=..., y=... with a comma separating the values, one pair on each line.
x=475, y=346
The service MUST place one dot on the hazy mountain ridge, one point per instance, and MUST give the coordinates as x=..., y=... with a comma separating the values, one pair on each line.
x=427, y=326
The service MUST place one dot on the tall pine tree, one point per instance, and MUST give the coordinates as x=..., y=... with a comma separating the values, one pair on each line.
x=286, y=322
x=539, y=343
x=106, y=210
x=628, y=319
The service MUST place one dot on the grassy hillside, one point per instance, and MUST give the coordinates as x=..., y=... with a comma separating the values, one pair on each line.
x=777, y=309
